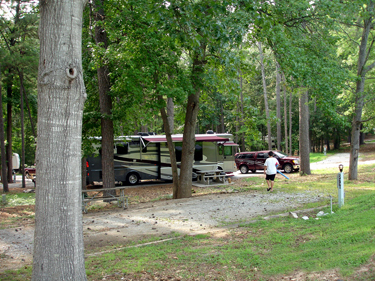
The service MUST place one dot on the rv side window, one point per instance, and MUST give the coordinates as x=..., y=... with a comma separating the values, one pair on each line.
x=227, y=150
x=122, y=148
x=178, y=151
x=198, y=154
x=134, y=144
x=221, y=149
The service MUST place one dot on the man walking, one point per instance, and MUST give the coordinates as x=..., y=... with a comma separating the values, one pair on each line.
x=270, y=169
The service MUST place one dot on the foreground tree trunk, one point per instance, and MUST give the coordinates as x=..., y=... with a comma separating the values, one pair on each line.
x=362, y=70
x=304, y=140
x=58, y=239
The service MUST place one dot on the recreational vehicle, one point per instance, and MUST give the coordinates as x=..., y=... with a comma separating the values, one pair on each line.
x=146, y=157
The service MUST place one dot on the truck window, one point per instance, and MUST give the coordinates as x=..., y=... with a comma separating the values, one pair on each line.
x=262, y=155
x=249, y=156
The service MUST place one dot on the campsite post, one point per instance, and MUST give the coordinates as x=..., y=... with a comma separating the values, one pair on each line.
x=340, y=185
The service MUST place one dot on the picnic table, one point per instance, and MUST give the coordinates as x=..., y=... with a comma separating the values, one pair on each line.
x=206, y=177
x=102, y=194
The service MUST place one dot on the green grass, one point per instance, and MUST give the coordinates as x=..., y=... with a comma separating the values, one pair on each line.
x=19, y=199
x=265, y=249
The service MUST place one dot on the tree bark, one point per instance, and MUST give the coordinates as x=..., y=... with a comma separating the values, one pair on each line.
x=4, y=176
x=105, y=101
x=170, y=114
x=22, y=129
x=290, y=124
x=171, y=149
x=265, y=97
x=192, y=108
x=278, y=106
x=285, y=116
x=58, y=239
x=362, y=70
x=304, y=140
x=243, y=147
x=9, y=152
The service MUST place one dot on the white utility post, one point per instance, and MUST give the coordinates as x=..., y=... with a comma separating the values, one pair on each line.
x=340, y=185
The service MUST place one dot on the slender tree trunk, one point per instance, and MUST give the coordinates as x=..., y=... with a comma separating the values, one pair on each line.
x=278, y=106
x=265, y=97
x=58, y=239
x=171, y=148
x=290, y=124
x=29, y=112
x=362, y=70
x=285, y=115
x=243, y=148
x=105, y=101
x=304, y=140
x=170, y=114
x=9, y=152
x=22, y=129
x=4, y=176
x=222, y=125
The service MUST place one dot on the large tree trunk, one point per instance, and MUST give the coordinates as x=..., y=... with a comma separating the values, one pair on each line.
x=304, y=140
x=4, y=176
x=265, y=97
x=278, y=106
x=362, y=70
x=108, y=174
x=58, y=239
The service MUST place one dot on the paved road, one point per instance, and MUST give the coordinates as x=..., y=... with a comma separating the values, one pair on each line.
x=330, y=162
x=335, y=160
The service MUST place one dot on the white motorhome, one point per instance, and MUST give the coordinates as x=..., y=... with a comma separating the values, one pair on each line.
x=147, y=157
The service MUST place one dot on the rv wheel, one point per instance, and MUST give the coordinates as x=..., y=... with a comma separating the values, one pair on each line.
x=132, y=178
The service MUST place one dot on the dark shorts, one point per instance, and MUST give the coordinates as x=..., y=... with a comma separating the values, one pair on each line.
x=270, y=177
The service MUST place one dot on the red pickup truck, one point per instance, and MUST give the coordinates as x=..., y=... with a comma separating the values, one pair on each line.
x=29, y=173
x=254, y=160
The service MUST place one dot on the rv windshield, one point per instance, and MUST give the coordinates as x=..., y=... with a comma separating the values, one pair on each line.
x=280, y=154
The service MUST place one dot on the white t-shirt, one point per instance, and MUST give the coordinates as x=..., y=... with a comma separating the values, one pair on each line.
x=271, y=164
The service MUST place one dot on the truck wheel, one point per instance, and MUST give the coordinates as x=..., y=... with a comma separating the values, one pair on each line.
x=288, y=168
x=132, y=179
x=244, y=169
